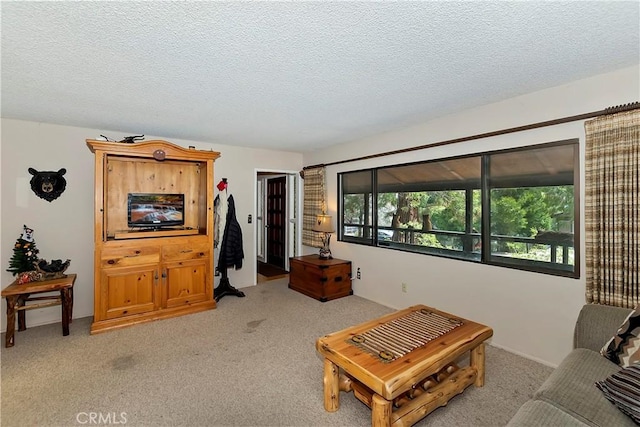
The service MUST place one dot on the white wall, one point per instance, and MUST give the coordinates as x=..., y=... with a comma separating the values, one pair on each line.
x=64, y=227
x=532, y=314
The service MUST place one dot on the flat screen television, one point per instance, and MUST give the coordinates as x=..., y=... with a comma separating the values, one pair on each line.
x=155, y=210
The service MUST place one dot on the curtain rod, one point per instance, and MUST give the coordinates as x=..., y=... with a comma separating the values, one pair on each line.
x=610, y=110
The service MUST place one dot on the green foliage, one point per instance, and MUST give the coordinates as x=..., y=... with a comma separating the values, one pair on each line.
x=353, y=209
x=526, y=211
x=428, y=240
x=25, y=255
x=516, y=212
x=448, y=210
x=508, y=217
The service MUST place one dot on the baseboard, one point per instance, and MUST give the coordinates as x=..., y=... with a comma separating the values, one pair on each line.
x=526, y=356
x=44, y=322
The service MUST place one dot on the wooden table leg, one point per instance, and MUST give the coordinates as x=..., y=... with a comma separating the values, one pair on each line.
x=66, y=310
x=331, y=386
x=9, y=339
x=22, y=318
x=71, y=304
x=476, y=360
x=380, y=411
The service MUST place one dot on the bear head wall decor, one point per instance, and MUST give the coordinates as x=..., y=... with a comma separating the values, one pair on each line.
x=48, y=185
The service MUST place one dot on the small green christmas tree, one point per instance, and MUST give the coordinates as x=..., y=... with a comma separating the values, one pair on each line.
x=25, y=253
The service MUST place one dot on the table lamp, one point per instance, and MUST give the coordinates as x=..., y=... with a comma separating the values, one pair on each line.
x=323, y=225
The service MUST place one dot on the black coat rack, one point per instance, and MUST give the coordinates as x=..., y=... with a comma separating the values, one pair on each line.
x=224, y=287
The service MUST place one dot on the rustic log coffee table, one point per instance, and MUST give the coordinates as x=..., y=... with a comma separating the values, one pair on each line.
x=403, y=365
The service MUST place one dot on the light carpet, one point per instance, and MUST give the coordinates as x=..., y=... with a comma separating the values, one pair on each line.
x=250, y=362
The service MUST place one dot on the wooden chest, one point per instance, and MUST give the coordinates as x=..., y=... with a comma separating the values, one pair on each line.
x=321, y=279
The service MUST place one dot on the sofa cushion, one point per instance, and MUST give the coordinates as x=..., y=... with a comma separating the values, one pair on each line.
x=623, y=390
x=571, y=387
x=624, y=347
x=536, y=413
x=596, y=325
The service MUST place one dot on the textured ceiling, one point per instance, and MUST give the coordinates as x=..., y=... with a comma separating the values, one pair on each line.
x=295, y=75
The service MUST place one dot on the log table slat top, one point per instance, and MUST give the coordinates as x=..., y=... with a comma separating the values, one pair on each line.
x=39, y=286
x=403, y=334
x=391, y=378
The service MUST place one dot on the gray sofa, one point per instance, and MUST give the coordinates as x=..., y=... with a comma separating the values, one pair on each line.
x=569, y=396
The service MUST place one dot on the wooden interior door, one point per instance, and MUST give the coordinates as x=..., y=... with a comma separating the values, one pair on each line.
x=276, y=220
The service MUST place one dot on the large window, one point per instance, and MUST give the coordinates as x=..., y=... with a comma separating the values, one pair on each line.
x=514, y=208
x=357, y=214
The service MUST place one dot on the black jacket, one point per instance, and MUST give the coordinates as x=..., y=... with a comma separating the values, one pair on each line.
x=231, y=252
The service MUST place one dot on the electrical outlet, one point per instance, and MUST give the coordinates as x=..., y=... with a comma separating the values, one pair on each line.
x=358, y=275
x=404, y=287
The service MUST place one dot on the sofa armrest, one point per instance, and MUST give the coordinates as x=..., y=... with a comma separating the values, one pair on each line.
x=596, y=325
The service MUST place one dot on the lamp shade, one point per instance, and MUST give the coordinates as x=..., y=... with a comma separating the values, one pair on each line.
x=323, y=224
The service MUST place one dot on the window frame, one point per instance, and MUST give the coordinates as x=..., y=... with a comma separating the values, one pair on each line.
x=485, y=256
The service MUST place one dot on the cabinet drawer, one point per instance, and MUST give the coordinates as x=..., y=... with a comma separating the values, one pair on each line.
x=124, y=257
x=185, y=252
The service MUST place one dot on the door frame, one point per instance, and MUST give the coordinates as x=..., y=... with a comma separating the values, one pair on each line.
x=294, y=248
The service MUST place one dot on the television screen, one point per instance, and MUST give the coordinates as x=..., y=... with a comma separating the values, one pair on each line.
x=155, y=210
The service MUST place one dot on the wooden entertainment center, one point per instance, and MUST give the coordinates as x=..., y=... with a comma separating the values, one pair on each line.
x=147, y=274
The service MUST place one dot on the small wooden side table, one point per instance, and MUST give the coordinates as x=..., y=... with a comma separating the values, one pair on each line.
x=17, y=296
x=322, y=279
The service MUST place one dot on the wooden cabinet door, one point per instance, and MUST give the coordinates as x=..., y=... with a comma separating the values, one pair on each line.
x=186, y=282
x=129, y=290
